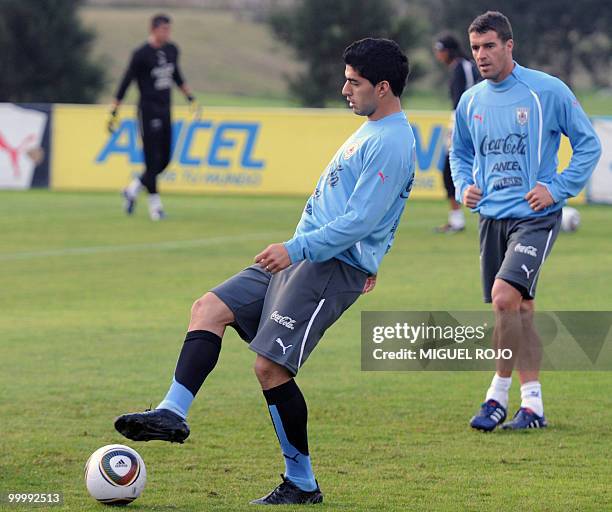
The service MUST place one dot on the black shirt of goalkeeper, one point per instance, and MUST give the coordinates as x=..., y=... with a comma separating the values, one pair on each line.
x=154, y=69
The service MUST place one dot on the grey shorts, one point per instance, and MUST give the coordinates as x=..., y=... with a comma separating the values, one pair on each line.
x=515, y=250
x=283, y=316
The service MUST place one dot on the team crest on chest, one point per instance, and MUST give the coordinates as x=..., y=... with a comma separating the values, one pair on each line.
x=522, y=115
x=351, y=149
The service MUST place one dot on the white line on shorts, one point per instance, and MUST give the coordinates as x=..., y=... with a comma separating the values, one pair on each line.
x=537, y=274
x=308, y=330
x=159, y=246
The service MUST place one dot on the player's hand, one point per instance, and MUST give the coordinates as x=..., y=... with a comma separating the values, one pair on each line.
x=539, y=198
x=369, y=284
x=194, y=107
x=471, y=196
x=113, y=122
x=273, y=258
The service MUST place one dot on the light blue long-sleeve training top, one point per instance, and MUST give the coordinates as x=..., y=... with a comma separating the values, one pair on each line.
x=358, y=201
x=506, y=140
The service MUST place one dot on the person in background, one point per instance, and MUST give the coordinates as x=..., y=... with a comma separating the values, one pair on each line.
x=463, y=75
x=155, y=67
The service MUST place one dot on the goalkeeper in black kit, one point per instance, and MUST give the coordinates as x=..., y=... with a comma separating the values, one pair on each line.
x=155, y=67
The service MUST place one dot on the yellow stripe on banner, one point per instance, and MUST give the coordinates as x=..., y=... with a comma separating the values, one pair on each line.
x=565, y=154
x=237, y=150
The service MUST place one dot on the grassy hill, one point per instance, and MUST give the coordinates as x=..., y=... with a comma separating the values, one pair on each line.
x=220, y=53
x=229, y=59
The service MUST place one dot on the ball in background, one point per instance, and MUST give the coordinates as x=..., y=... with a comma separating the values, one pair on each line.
x=115, y=474
x=570, y=219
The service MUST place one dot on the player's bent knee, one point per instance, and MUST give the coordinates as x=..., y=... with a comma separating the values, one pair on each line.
x=212, y=308
x=269, y=373
x=503, y=302
x=263, y=368
x=505, y=297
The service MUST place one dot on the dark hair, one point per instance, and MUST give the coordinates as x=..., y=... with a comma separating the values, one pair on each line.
x=492, y=20
x=450, y=43
x=160, y=19
x=377, y=60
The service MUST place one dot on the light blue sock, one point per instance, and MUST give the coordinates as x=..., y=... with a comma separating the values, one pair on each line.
x=178, y=399
x=297, y=465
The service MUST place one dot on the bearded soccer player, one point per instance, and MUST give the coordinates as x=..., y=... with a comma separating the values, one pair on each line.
x=504, y=166
x=155, y=68
x=284, y=303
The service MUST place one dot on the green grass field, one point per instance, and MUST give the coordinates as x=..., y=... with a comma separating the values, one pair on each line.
x=94, y=309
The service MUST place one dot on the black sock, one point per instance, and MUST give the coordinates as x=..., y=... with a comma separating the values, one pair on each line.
x=198, y=357
x=290, y=417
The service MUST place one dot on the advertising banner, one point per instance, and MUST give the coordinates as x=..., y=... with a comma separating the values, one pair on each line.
x=24, y=145
x=241, y=150
x=599, y=189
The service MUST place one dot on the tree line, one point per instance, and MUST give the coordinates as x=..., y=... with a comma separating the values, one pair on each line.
x=562, y=37
x=47, y=53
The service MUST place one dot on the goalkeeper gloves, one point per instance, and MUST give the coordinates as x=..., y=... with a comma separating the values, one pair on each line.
x=194, y=107
x=113, y=122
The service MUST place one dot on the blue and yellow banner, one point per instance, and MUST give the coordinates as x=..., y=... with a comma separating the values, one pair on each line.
x=250, y=151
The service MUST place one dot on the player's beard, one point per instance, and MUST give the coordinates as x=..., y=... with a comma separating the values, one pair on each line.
x=366, y=110
x=490, y=73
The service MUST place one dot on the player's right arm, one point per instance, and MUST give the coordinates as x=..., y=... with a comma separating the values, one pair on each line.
x=128, y=76
x=462, y=159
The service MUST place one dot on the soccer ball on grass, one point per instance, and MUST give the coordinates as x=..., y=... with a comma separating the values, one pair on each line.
x=570, y=219
x=115, y=474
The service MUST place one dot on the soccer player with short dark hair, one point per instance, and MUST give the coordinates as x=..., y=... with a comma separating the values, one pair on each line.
x=504, y=165
x=463, y=75
x=284, y=303
x=155, y=68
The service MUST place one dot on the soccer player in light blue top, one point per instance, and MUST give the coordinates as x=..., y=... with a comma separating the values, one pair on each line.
x=283, y=303
x=357, y=203
x=504, y=166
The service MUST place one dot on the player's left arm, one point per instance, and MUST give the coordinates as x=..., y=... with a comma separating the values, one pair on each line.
x=179, y=80
x=382, y=180
x=194, y=108
x=586, y=147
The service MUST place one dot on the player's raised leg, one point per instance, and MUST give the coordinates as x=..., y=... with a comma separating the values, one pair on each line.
x=198, y=357
x=289, y=416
